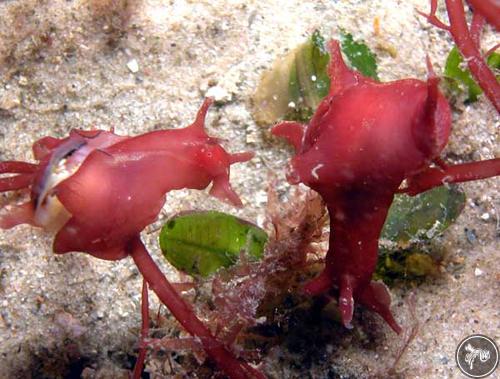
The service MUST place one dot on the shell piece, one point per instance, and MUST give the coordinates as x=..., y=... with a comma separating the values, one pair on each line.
x=63, y=161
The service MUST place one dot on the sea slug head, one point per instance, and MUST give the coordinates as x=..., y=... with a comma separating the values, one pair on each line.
x=216, y=162
x=211, y=162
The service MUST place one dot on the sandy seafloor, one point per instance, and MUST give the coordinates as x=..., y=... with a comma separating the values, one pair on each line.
x=63, y=65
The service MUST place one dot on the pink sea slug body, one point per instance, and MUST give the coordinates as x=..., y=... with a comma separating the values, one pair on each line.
x=91, y=187
x=97, y=191
x=363, y=141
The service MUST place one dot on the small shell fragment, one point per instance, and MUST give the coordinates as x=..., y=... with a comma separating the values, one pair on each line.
x=133, y=66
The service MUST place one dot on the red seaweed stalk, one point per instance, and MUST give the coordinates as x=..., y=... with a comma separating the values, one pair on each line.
x=139, y=365
x=467, y=39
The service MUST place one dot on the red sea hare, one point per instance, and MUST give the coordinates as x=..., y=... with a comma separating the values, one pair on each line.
x=97, y=191
x=363, y=141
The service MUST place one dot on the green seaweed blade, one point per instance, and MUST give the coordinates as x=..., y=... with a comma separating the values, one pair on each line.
x=298, y=82
x=200, y=243
x=411, y=224
x=422, y=217
x=459, y=78
x=359, y=55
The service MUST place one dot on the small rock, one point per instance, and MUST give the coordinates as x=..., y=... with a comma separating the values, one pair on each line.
x=219, y=94
x=471, y=235
x=478, y=272
x=9, y=101
x=99, y=314
x=133, y=66
x=252, y=135
x=23, y=80
x=485, y=216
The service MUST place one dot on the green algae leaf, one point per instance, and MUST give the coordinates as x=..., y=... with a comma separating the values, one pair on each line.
x=295, y=85
x=422, y=217
x=460, y=79
x=493, y=61
x=308, y=82
x=359, y=55
x=410, y=265
x=200, y=243
x=411, y=224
